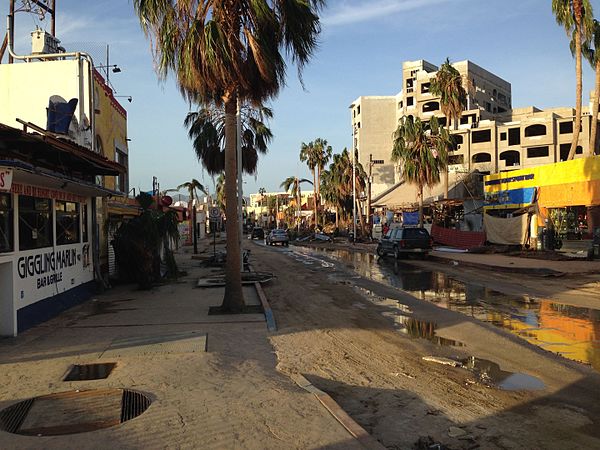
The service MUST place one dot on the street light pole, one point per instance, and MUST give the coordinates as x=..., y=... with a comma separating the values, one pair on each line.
x=354, y=184
x=239, y=181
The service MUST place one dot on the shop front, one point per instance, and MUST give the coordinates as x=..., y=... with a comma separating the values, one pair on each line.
x=48, y=231
x=563, y=198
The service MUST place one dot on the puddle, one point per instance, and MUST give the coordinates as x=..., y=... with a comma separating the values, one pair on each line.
x=489, y=373
x=414, y=328
x=570, y=331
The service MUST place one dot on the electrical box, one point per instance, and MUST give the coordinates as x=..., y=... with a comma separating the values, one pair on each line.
x=43, y=42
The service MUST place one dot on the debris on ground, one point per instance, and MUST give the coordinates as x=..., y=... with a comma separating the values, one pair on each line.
x=428, y=443
x=442, y=360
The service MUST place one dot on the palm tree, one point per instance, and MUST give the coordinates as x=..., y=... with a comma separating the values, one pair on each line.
x=576, y=16
x=591, y=52
x=421, y=149
x=192, y=188
x=343, y=178
x=448, y=85
x=293, y=186
x=206, y=129
x=223, y=52
x=323, y=152
x=308, y=154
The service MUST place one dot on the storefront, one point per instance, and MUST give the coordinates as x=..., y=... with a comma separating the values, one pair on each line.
x=48, y=235
x=565, y=196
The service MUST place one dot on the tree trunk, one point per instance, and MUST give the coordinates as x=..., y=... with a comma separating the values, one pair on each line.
x=577, y=124
x=420, y=206
x=337, y=218
x=318, y=197
x=190, y=206
x=315, y=196
x=594, y=113
x=361, y=218
x=234, y=298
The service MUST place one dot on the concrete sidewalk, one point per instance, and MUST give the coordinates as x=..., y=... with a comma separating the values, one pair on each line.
x=229, y=396
x=516, y=264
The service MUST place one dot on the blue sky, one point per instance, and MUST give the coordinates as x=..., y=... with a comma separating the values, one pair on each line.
x=361, y=51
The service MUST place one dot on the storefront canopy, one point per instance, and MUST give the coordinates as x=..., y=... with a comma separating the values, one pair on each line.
x=26, y=174
x=51, y=152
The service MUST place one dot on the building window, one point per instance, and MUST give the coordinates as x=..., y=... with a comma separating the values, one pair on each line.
x=565, y=127
x=488, y=106
x=431, y=107
x=358, y=125
x=535, y=130
x=503, y=136
x=400, y=105
x=441, y=121
x=84, y=220
x=511, y=158
x=410, y=101
x=6, y=223
x=564, y=151
x=457, y=140
x=99, y=146
x=122, y=180
x=481, y=136
x=514, y=136
x=538, y=152
x=35, y=223
x=456, y=159
x=67, y=222
x=358, y=110
x=482, y=158
x=425, y=88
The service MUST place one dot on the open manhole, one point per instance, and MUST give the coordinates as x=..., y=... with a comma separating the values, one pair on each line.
x=81, y=372
x=73, y=412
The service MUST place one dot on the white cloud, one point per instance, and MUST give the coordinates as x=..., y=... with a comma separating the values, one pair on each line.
x=351, y=12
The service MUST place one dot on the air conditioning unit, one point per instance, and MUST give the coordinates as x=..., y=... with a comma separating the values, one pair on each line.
x=43, y=42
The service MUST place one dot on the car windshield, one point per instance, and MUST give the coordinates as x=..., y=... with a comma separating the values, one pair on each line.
x=279, y=232
x=416, y=233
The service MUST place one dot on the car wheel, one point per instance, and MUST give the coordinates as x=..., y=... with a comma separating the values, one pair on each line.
x=397, y=253
x=380, y=251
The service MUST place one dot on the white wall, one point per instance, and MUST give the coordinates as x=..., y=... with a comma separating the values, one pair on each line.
x=25, y=89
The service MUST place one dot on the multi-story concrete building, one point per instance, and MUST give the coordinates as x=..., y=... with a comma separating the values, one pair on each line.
x=491, y=136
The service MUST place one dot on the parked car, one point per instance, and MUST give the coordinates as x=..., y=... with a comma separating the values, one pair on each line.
x=278, y=236
x=400, y=241
x=257, y=233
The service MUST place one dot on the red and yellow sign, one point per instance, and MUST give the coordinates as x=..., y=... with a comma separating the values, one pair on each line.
x=34, y=191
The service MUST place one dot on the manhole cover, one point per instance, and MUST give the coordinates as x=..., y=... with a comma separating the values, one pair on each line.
x=73, y=412
x=89, y=372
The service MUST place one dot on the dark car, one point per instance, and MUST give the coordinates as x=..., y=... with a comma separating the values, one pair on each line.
x=278, y=236
x=257, y=233
x=399, y=241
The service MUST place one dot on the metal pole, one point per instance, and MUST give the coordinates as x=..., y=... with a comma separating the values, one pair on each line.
x=354, y=185
x=239, y=179
x=53, y=20
x=195, y=235
x=10, y=33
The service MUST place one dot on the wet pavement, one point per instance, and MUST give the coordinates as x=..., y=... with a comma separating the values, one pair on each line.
x=570, y=331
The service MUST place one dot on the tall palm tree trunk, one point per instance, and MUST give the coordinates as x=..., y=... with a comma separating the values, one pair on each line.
x=318, y=195
x=594, y=113
x=420, y=205
x=361, y=218
x=315, y=195
x=577, y=125
x=234, y=298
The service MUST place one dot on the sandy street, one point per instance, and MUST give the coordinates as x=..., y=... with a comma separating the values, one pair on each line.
x=344, y=333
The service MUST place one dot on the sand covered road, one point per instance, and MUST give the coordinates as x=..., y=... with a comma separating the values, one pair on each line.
x=349, y=346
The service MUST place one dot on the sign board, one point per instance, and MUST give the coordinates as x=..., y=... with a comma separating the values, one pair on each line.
x=6, y=176
x=410, y=218
x=214, y=214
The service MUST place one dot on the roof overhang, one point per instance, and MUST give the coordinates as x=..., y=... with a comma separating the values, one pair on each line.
x=26, y=174
x=52, y=152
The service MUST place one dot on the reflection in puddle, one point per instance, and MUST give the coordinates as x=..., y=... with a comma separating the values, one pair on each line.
x=408, y=325
x=489, y=373
x=570, y=331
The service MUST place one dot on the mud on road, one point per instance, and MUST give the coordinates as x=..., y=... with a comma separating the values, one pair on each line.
x=363, y=342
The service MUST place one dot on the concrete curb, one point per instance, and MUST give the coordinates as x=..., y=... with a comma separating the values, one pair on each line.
x=271, y=325
x=358, y=432
x=521, y=270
